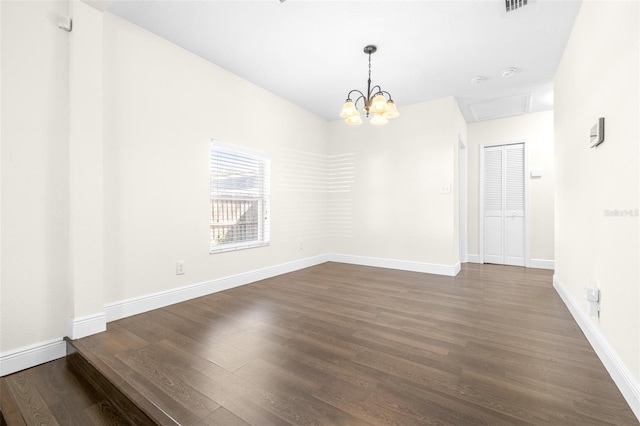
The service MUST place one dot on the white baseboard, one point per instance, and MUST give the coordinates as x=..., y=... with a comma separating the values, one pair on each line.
x=84, y=326
x=405, y=265
x=138, y=305
x=473, y=258
x=29, y=356
x=533, y=263
x=79, y=327
x=542, y=264
x=456, y=269
x=622, y=377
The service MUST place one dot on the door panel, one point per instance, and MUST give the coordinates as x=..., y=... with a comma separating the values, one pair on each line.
x=514, y=243
x=514, y=205
x=493, y=242
x=493, y=205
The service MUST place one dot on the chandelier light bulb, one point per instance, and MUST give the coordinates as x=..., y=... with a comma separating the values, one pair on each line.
x=348, y=109
x=354, y=120
x=378, y=120
x=378, y=104
x=392, y=110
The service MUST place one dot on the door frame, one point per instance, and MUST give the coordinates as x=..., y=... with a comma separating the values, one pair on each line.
x=462, y=200
x=527, y=204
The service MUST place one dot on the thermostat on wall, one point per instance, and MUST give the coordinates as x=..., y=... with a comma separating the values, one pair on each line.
x=597, y=133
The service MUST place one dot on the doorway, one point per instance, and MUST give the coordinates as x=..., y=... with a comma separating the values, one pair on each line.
x=503, y=207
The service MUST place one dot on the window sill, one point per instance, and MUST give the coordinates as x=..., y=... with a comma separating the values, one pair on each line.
x=236, y=247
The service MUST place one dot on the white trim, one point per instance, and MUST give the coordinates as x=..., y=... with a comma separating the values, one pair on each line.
x=456, y=269
x=138, y=305
x=233, y=148
x=405, y=265
x=32, y=355
x=462, y=198
x=473, y=258
x=84, y=326
x=622, y=377
x=541, y=264
x=481, y=206
x=531, y=263
x=527, y=207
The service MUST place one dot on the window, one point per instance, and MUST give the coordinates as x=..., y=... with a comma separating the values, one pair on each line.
x=239, y=198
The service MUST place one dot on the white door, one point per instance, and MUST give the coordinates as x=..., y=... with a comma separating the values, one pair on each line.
x=503, y=204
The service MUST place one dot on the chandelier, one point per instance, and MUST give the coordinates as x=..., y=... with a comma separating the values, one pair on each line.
x=374, y=102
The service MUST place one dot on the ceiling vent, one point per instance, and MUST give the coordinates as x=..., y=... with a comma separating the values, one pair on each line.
x=501, y=107
x=512, y=5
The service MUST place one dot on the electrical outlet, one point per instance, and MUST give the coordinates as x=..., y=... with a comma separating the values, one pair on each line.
x=301, y=245
x=592, y=294
x=180, y=267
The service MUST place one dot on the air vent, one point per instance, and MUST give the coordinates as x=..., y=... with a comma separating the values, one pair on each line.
x=512, y=5
x=501, y=107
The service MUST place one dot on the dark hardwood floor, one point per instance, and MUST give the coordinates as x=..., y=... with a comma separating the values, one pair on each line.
x=53, y=394
x=340, y=344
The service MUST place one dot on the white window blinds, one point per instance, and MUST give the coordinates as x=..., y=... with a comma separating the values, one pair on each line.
x=239, y=198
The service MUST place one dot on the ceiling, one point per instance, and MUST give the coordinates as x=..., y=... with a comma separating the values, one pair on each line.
x=310, y=52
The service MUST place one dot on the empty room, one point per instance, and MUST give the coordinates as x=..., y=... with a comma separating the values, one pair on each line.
x=298, y=212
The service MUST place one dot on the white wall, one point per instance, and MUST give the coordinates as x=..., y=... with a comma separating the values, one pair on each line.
x=35, y=173
x=163, y=106
x=392, y=208
x=598, y=77
x=86, y=174
x=537, y=130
